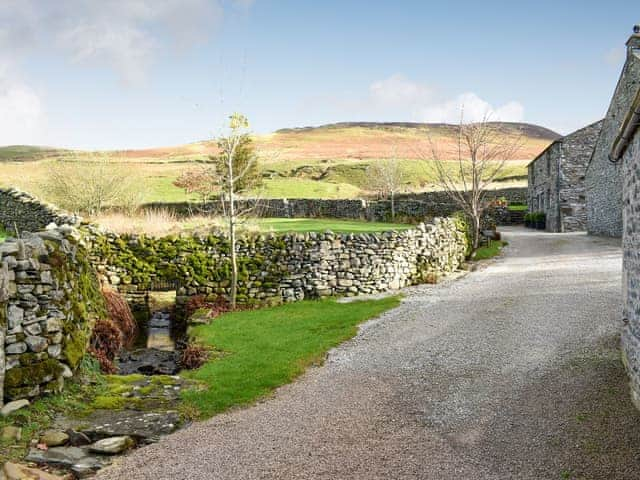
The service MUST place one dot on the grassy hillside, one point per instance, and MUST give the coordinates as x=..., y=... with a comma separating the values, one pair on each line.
x=320, y=162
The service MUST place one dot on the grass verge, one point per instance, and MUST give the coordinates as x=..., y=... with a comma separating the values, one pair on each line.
x=490, y=251
x=270, y=347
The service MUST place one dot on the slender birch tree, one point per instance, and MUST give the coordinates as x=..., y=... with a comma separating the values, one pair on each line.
x=237, y=170
x=479, y=154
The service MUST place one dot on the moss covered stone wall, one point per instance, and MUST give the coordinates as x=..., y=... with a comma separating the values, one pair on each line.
x=281, y=268
x=49, y=298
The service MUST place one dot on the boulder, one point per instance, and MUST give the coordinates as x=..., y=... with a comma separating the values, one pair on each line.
x=76, y=459
x=144, y=427
x=112, y=445
x=14, y=406
x=54, y=438
x=16, y=471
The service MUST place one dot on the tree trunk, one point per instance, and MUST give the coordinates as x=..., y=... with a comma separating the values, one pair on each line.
x=476, y=233
x=232, y=231
x=393, y=206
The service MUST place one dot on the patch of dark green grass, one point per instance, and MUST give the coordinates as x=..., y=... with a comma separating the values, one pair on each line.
x=489, y=251
x=270, y=347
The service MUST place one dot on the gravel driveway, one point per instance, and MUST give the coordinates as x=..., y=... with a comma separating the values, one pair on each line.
x=512, y=372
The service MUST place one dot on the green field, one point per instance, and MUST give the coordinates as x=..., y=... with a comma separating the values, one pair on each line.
x=324, y=224
x=264, y=349
x=331, y=179
x=330, y=161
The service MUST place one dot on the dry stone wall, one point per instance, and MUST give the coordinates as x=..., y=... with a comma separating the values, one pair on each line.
x=49, y=295
x=414, y=206
x=283, y=268
x=28, y=214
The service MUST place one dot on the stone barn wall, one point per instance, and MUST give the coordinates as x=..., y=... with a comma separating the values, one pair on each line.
x=604, y=178
x=557, y=180
x=630, y=164
x=49, y=297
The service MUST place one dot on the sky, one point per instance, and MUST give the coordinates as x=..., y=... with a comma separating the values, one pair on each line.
x=116, y=74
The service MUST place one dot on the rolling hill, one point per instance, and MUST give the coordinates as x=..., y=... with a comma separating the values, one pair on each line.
x=327, y=161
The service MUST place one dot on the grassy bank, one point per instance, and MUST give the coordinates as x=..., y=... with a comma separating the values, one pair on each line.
x=264, y=349
x=3, y=235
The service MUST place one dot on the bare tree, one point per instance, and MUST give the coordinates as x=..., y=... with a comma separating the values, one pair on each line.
x=479, y=154
x=388, y=178
x=90, y=183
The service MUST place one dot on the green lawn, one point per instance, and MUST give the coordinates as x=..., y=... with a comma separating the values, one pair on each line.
x=266, y=348
x=490, y=251
x=323, y=224
x=517, y=208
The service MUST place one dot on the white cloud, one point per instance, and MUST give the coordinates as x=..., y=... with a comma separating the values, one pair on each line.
x=471, y=108
x=125, y=35
x=398, y=98
x=21, y=113
x=398, y=91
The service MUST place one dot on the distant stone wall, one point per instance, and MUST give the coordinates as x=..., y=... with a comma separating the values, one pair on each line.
x=603, y=178
x=421, y=206
x=49, y=296
x=557, y=180
x=282, y=268
x=28, y=214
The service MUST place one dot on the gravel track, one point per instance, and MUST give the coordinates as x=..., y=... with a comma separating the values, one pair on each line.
x=512, y=372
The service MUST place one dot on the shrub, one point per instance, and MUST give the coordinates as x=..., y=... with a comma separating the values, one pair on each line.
x=463, y=225
x=121, y=315
x=106, y=341
x=194, y=356
x=215, y=306
x=106, y=365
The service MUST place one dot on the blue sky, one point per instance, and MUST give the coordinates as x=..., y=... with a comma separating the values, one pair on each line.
x=138, y=73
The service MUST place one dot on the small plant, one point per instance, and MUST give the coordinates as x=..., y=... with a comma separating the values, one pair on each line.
x=194, y=356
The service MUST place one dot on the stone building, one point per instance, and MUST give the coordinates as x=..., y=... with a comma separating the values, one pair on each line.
x=604, y=177
x=625, y=154
x=556, y=180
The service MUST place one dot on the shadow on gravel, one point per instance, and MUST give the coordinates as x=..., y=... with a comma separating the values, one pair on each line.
x=577, y=422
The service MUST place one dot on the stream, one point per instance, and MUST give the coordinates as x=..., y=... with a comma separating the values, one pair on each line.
x=154, y=350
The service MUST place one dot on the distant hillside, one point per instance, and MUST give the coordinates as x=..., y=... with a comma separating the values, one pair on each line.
x=26, y=153
x=329, y=161
x=339, y=141
x=529, y=130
